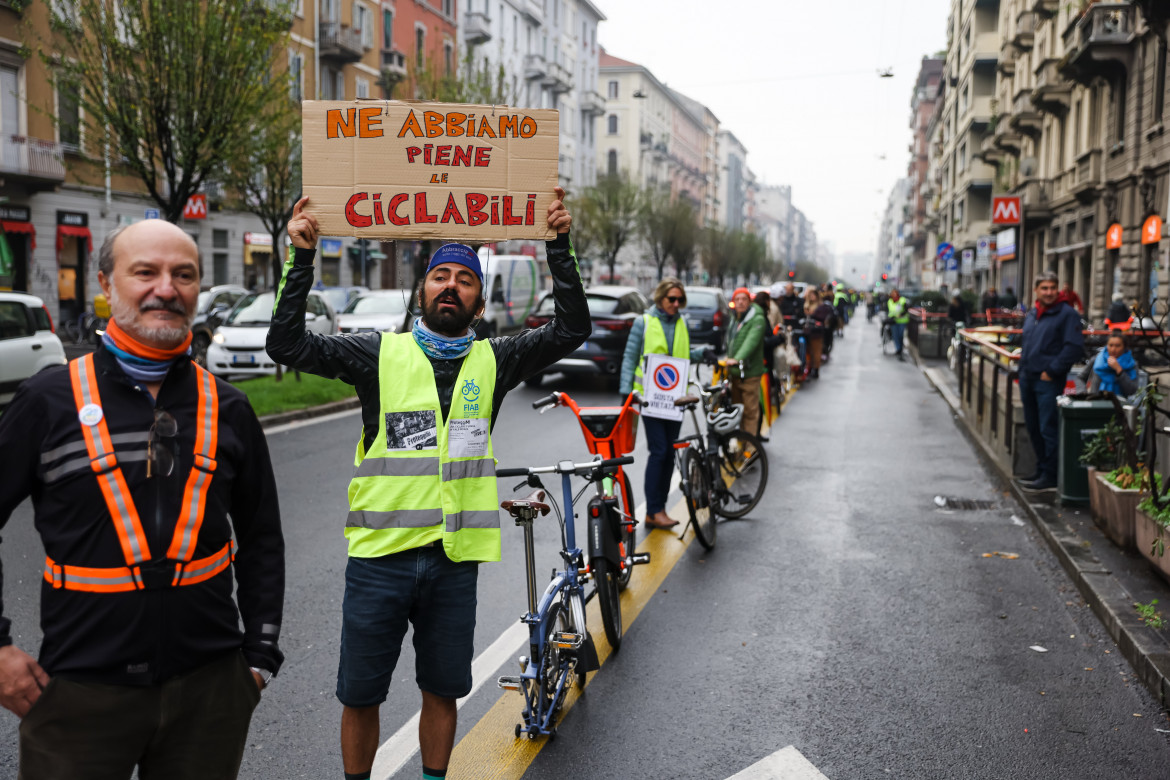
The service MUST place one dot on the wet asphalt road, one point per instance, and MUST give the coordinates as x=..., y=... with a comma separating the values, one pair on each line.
x=848, y=616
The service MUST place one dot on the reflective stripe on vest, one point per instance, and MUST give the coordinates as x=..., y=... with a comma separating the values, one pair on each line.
x=440, y=480
x=120, y=503
x=654, y=343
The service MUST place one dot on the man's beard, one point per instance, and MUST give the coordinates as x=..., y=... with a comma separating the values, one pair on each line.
x=445, y=322
x=126, y=315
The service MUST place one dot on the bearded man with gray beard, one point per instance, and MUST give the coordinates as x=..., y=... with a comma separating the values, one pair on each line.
x=149, y=478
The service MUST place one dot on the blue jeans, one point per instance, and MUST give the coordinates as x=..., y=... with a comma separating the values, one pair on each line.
x=660, y=437
x=425, y=588
x=1040, y=418
x=898, y=331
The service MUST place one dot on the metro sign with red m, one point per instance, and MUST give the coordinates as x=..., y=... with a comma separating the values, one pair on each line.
x=1005, y=211
x=196, y=207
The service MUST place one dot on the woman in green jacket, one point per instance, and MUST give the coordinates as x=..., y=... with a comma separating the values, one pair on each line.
x=745, y=356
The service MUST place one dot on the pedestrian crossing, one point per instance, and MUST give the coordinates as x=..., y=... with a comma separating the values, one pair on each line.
x=784, y=764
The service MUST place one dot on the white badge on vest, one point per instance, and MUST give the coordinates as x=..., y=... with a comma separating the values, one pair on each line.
x=664, y=382
x=467, y=438
x=90, y=414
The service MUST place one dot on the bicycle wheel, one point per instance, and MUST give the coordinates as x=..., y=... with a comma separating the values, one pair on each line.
x=887, y=340
x=629, y=530
x=606, y=577
x=552, y=660
x=699, y=499
x=743, y=467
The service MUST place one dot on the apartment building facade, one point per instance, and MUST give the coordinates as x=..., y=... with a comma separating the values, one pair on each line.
x=960, y=180
x=1080, y=140
x=927, y=88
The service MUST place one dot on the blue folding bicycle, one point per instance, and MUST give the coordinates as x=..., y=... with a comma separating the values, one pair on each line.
x=561, y=650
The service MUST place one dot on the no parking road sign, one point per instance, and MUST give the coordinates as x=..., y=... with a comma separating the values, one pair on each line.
x=667, y=382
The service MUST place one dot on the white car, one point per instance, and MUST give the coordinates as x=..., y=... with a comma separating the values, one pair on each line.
x=27, y=341
x=237, y=348
x=376, y=312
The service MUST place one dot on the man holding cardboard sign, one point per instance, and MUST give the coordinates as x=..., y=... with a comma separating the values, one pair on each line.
x=422, y=503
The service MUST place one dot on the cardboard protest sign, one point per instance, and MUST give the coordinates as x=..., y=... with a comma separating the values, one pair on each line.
x=387, y=169
x=664, y=382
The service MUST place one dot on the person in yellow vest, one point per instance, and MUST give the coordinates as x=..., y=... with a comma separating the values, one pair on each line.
x=660, y=331
x=423, y=509
x=898, y=310
x=163, y=578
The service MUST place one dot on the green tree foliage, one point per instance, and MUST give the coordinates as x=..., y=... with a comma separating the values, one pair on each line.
x=170, y=89
x=609, y=215
x=717, y=247
x=472, y=82
x=809, y=272
x=684, y=238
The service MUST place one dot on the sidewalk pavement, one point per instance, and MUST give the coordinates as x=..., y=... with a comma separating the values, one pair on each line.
x=1110, y=579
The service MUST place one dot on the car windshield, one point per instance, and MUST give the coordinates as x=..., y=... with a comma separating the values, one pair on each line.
x=701, y=299
x=253, y=309
x=336, y=297
x=601, y=304
x=377, y=304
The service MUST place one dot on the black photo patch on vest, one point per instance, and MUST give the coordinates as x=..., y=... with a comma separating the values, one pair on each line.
x=411, y=430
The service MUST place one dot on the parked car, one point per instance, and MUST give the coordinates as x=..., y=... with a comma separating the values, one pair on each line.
x=211, y=308
x=237, y=348
x=613, y=310
x=377, y=311
x=28, y=343
x=707, y=314
x=511, y=286
x=340, y=297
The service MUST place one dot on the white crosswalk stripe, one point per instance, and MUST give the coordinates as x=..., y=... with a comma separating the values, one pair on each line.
x=784, y=764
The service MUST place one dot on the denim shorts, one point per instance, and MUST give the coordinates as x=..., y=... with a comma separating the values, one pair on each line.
x=422, y=586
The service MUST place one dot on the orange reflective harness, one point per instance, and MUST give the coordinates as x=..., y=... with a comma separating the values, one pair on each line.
x=140, y=571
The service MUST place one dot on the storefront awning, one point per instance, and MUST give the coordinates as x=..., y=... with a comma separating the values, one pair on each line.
x=73, y=230
x=20, y=227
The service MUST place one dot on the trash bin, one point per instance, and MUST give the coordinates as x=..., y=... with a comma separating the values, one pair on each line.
x=1079, y=422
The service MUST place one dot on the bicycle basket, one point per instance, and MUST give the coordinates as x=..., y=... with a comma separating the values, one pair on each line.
x=606, y=422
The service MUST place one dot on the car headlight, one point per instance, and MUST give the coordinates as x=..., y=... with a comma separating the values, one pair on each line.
x=218, y=338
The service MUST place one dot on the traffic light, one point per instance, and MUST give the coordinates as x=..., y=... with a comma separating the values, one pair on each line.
x=792, y=274
x=885, y=277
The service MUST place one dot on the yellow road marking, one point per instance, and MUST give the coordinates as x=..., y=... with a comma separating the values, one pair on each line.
x=490, y=750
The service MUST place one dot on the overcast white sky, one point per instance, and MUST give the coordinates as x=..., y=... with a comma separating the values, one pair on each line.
x=796, y=81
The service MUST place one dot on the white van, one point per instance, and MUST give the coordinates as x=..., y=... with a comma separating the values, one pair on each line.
x=511, y=286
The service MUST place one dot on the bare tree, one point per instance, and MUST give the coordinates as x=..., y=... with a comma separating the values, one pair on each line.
x=615, y=206
x=169, y=89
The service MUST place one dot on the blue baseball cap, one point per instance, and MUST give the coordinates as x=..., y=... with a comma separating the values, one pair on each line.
x=457, y=253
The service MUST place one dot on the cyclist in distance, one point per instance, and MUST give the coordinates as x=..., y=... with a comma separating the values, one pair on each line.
x=423, y=508
x=660, y=331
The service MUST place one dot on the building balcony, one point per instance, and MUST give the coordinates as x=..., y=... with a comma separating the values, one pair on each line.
x=1045, y=8
x=1025, y=118
x=592, y=103
x=534, y=10
x=1088, y=175
x=557, y=78
x=38, y=164
x=393, y=68
x=1100, y=44
x=534, y=66
x=990, y=152
x=477, y=28
x=1051, y=93
x=340, y=43
x=1007, y=64
x=1025, y=34
x=1007, y=139
x=1034, y=199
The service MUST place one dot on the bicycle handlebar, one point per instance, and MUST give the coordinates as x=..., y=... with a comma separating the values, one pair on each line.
x=567, y=467
x=548, y=399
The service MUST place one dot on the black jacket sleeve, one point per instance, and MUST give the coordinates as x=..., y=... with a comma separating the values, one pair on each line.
x=519, y=357
x=21, y=433
x=259, y=563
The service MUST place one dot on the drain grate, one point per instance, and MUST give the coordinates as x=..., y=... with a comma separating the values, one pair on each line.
x=968, y=504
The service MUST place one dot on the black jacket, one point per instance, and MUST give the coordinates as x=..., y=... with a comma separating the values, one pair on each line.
x=144, y=637
x=1052, y=342
x=354, y=358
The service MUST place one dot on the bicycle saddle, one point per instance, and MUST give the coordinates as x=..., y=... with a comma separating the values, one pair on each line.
x=534, y=501
x=686, y=400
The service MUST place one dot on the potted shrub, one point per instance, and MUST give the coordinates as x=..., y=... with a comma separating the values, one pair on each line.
x=1150, y=532
x=1118, y=494
x=1101, y=454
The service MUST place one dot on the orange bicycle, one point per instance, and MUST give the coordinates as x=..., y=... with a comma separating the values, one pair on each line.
x=610, y=432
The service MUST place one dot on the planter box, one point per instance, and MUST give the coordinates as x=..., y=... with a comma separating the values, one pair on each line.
x=1145, y=532
x=1113, y=510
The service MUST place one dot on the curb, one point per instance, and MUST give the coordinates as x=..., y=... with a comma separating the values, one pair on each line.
x=309, y=412
x=1145, y=650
